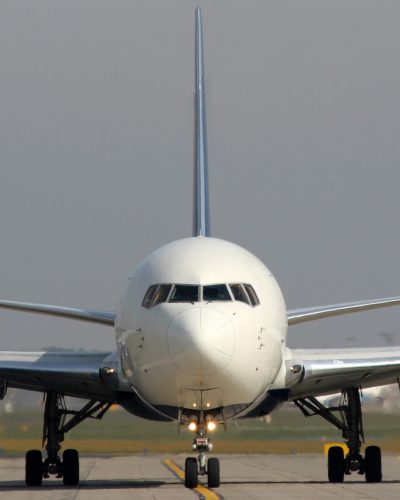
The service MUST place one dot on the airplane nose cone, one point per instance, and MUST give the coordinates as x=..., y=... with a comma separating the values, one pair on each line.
x=201, y=341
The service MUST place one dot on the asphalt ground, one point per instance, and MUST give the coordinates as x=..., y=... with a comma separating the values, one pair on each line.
x=242, y=477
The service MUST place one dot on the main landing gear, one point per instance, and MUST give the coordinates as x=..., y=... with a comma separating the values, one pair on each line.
x=349, y=421
x=54, y=428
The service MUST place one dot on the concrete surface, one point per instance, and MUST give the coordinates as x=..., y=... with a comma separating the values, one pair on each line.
x=243, y=477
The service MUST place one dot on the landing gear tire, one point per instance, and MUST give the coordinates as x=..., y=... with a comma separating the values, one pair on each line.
x=191, y=473
x=70, y=467
x=373, y=464
x=213, y=473
x=33, y=468
x=336, y=464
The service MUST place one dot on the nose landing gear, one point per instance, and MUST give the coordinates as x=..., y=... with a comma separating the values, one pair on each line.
x=201, y=466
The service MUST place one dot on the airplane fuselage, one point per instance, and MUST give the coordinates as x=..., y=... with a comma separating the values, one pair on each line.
x=202, y=325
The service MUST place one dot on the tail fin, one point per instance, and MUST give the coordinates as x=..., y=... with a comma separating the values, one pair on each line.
x=201, y=219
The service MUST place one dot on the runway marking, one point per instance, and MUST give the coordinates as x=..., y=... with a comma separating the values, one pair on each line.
x=201, y=490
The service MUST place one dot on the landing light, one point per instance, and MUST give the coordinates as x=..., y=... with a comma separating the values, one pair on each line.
x=192, y=426
x=211, y=425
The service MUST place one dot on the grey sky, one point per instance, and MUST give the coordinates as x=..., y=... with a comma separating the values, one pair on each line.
x=96, y=151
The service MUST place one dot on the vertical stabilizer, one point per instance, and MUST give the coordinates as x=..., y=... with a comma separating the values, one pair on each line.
x=201, y=206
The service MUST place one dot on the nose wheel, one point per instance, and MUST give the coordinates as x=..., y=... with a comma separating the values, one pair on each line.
x=191, y=473
x=213, y=472
x=201, y=466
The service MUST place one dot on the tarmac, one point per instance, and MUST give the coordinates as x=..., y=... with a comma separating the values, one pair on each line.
x=242, y=477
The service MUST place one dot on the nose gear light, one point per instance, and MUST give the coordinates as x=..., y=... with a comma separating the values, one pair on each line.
x=193, y=426
x=211, y=425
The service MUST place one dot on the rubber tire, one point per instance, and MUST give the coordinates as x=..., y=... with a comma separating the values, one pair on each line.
x=213, y=473
x=336, y=464
x=70, y=468
x=33, y=468
x=373, y=464
x=191, y=473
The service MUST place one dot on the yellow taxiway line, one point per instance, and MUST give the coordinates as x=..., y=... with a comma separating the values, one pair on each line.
x=201, y=490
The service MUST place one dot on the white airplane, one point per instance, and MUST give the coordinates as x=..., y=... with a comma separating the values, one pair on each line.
x=201, y=339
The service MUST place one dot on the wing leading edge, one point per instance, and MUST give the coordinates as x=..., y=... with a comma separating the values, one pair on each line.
x=90, y=315
x=296, y=316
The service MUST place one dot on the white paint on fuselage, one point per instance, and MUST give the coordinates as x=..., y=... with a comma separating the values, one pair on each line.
x=230, y=351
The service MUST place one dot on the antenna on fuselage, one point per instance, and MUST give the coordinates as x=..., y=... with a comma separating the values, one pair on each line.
x=201, y=219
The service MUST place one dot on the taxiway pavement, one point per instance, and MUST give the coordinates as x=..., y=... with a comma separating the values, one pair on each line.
x=243, y=477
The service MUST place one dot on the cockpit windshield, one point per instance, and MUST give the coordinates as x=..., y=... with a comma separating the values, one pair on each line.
x=185, y=293
x=162, y=294
x=156, y=294
x=213, y=293
x=252, y=295
x=238, y=293
x=244, y=293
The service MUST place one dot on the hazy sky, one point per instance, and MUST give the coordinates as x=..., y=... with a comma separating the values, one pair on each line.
x=96, y=152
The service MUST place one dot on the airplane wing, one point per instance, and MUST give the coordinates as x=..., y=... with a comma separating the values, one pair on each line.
x=314, y=372
x=80, y=374
x=91, y=315
x=296, y=316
